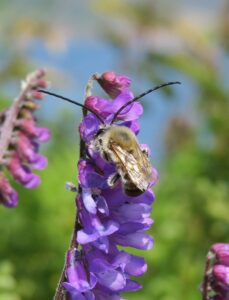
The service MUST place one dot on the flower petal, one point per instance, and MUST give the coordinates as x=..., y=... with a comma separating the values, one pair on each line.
x=131, y=286
x=138, y=240
x=88, y=201
x=106, y=229
x=102, y=205
x=88, y=127
x=88, y=176
x=112, y=279
x=136, y=266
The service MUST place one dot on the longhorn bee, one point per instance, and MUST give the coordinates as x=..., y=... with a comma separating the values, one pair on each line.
x=118, y=144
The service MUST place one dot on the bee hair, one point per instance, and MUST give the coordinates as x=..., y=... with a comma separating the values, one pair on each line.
x=72, y=101
x=140, y=96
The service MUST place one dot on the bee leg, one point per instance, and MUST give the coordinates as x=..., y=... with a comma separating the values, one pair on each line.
x=113, y=179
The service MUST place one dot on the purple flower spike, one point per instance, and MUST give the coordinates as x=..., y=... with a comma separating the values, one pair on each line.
x=20, y=136
x=107, y=217
x=216, y=279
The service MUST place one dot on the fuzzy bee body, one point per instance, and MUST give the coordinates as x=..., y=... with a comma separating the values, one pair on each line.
x=119, y=145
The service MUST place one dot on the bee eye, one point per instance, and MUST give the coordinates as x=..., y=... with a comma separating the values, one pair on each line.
x=100, y=141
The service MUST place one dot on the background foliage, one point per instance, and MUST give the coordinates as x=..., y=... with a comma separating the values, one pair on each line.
x=152, y=41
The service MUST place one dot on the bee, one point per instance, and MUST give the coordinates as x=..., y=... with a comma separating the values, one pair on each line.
x=118, y=144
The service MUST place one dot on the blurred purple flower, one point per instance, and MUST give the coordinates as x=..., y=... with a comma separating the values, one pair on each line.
x=216, y=280
x=20, y=138
x=27, y=151
x=108, y=217
x=29, y=127
x=8, y=196
x=22, y=173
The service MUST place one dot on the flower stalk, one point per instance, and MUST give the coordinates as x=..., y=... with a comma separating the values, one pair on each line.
x=106, y=217
x=20, y=139
x=12, y=113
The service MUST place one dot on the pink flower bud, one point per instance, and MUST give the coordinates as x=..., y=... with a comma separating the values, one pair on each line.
x=42, y=83
x=37, y=95
x=113, y=84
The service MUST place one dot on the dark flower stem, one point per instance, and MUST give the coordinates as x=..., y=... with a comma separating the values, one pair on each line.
x=60, y=293
x=205, y=282
x=11, y=114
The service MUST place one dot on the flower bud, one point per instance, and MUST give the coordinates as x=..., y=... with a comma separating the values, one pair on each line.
x=113, y=84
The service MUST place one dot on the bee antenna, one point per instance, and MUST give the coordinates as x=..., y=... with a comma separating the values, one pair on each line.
x=72, y=101
x=142, y=95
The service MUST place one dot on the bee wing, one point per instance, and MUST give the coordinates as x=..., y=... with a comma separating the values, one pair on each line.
x=144, y=165
x=136, y=165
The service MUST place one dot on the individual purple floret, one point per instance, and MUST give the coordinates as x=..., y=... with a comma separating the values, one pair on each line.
x=8, y=196
x=80, y=282
x=216, y=279
x=107, y=217
x=20, y=138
